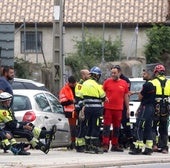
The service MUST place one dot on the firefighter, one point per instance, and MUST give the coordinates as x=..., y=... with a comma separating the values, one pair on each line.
x=23, y=129
x=9, y=143
x=81, y=124
x=93, y=95
x=162, y=110
x=145, y=114
x=67, y=100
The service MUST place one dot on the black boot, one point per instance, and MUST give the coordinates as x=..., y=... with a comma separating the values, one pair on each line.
x=42, y=147
x=16, y=150
x=96, y=146
x=136, y=151
x=147, y=151
x=88, y=146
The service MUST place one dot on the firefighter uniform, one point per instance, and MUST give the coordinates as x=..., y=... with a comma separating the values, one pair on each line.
x=81, y=123
x=93, y=94
x=143, y=126
x=161, y=116
x=17, y=128
x=67, y=99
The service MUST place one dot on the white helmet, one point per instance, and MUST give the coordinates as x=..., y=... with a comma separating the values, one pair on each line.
x=5, y=96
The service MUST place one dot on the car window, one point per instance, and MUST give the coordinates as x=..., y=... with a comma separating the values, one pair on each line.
x=42, y=102
x=17, y=85
x=21, y=103
x=136, y=86
x=55, y=104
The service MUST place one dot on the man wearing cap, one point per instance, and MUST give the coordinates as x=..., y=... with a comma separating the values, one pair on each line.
x=145, y=116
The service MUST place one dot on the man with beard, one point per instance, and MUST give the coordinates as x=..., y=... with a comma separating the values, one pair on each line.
x=116, y=90
x=7, y=76
x=144, y=115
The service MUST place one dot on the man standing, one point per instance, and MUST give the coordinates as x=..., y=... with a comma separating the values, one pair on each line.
x=145, y=117
x=81, y=124
x=93, y=95
x=7, y=76
x=67, y=99
x=128, y=139
x=116, y=90
x=162, y=110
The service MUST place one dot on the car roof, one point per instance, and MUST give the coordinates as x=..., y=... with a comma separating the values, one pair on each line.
x=28, y=91
x=19, y=83
x=28, y=81
x=136, y=79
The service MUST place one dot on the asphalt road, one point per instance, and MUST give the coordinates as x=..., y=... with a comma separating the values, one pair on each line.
x=62, y=158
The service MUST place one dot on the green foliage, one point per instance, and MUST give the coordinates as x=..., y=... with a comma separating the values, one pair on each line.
x=21, y=68
x=90, y=52
x=158, y=43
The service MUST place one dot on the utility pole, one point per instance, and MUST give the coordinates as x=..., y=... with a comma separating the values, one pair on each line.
x=58, y=59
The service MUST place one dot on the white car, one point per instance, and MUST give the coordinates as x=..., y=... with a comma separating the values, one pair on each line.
x=43, y=110
x=19, y=83
x=136, y=86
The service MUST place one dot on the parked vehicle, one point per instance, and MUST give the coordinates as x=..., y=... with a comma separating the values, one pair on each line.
x=136, y=86
x=44, y=110
x=19, y=83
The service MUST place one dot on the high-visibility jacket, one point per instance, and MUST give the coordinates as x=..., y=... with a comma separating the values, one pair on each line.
x=92, y=92
x=157, y=84
x=66, y=95
x=7, y=118
x=78, y=88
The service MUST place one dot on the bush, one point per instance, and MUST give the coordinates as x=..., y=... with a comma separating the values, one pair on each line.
x=158, y=43
x=89, y=53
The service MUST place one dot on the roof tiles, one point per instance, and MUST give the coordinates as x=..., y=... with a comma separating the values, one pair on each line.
x=31, y=10
x=115, y=11
x=87, y=11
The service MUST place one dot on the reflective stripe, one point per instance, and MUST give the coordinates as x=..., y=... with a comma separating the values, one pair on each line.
x=93, y=105
x=93, y=101
x=17, y=126
x=158, y=99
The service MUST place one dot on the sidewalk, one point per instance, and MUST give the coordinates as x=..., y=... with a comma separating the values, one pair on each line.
x=60, y=158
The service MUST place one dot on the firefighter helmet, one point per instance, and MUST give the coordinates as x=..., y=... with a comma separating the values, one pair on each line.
x=5, y=96
x=95, y=70
x=159, y=68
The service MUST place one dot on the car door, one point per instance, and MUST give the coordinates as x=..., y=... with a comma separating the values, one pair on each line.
x=63, y=129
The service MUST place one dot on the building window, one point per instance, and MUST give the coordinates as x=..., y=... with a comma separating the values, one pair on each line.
x=30, y=42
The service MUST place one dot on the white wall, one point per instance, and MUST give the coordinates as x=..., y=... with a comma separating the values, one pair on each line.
x=47, y=38
x=128, y=37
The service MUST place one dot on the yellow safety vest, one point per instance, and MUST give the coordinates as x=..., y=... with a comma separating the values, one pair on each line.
x=5, y=116
x=93, y=89
x=157, y=84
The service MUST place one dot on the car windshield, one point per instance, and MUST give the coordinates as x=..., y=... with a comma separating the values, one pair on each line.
x=136, y=86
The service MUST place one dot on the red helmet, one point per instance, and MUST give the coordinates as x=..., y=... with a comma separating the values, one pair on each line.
x=159, y=68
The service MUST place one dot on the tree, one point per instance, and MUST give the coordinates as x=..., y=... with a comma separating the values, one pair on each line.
x=89, y=52
x=158, y=47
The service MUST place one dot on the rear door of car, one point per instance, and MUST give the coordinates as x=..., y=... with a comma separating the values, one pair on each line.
x=53, y=114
